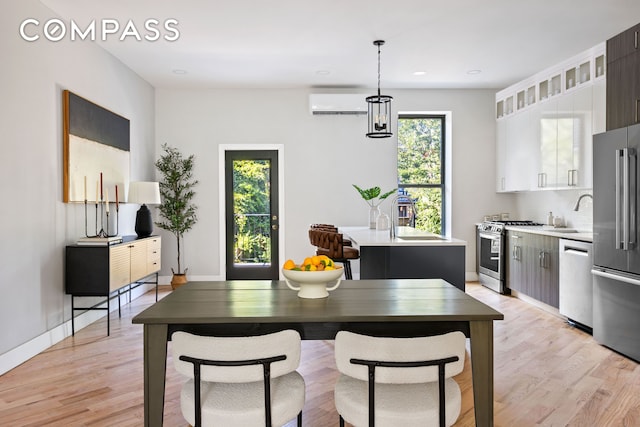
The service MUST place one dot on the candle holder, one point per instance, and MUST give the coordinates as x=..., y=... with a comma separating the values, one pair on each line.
x=104, y=231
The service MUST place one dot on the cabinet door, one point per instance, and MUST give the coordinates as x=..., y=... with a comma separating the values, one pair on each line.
x=599, y=122
x=550, y=292
x=544, y=262
x=565, y=147
x=138, y=260
x=584, y=109
x=118, y=267
x=623, y=44
x=502, y=127
x=515, y=273
x=546, y=154
x=574, y=139
x=519, y=151
x=634, y=88
x=623, y=92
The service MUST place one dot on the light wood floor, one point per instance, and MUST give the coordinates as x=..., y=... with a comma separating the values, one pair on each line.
x=546, y=373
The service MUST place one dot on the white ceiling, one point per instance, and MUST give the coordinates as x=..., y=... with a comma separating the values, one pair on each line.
x=294, y=43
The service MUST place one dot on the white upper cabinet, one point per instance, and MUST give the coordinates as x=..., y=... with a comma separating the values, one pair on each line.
x=544, y=126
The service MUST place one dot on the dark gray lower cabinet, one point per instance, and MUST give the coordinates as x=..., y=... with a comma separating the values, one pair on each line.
x=533, y=266
x=414, y=262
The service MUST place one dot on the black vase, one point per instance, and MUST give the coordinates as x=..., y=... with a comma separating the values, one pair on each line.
x=144, y=223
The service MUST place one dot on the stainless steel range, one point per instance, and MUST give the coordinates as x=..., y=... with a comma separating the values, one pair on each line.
x=491, y=249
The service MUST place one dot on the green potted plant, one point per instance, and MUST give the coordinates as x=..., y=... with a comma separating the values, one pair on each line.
x=373, y=198
x=176, y=209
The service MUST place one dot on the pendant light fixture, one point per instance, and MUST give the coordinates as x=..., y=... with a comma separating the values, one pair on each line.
x=379, y=108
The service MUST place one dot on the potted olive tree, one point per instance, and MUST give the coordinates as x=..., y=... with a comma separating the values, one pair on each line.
x=176, y=209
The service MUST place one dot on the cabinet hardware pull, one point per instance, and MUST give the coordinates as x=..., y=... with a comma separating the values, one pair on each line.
x=637, y=101
x=636, y=39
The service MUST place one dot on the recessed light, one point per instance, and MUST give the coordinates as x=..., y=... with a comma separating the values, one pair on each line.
x=178, y=71
x=419, y=73
x=474, y=71
x=323, y=72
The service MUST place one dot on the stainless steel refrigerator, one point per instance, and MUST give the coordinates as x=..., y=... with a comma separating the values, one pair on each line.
x=616, y=249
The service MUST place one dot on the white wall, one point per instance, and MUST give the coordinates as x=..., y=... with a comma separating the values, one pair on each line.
x=36, y=225
x=536, y=205
x=323, y=155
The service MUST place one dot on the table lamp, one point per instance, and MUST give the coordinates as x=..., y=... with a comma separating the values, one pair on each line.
x=144, y=193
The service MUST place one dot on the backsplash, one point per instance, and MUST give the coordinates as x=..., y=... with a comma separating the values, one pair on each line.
x=536, y=206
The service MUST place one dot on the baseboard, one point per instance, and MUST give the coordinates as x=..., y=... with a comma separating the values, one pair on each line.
x=192, y=278
x=26, y=351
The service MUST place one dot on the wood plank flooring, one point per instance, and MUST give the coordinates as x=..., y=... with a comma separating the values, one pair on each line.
x=546, y=374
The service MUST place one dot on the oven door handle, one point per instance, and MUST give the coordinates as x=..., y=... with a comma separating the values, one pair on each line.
x=490, y=236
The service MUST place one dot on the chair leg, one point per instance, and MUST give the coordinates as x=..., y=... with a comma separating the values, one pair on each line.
x=300, y=419
x=341, y=421
x=347, y=270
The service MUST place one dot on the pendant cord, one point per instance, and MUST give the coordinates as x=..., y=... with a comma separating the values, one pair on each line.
x=378, y=71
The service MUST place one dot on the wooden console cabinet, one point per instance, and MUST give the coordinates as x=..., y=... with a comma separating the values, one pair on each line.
x=103, y=271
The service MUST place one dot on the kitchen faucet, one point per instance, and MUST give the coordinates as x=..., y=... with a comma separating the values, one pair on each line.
x=394, y=212
x=577, y=206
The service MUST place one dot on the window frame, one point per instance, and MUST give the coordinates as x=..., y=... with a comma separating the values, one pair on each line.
x=443, y=169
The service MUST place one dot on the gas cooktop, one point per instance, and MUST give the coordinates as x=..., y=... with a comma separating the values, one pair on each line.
x=517, y=222
x=498, y=225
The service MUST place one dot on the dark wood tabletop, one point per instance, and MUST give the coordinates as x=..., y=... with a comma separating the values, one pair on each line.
x=391, y=307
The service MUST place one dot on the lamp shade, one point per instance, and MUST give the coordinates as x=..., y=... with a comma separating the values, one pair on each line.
x=144, y=193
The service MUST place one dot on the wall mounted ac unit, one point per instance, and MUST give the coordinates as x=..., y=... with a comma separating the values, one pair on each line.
x=337, y=103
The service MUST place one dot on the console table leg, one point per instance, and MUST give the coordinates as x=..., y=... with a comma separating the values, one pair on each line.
x=73, y=316
x=108, y=312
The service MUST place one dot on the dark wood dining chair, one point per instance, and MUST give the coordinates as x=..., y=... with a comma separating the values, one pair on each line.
x=332, y=245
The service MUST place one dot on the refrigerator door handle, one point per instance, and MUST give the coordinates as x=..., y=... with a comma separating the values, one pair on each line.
x=625, y=199
x=617, y=237
x=617, y=277
x=632, y=171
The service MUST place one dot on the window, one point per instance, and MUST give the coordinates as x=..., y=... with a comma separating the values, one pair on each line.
x=421, y=172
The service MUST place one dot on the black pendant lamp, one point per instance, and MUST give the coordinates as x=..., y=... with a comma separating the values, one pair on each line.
x=379, y=108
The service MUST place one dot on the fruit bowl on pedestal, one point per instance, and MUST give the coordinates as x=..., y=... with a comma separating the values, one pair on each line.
x=313, y=284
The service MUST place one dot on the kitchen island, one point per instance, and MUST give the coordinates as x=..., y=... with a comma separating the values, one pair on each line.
x=412, y=254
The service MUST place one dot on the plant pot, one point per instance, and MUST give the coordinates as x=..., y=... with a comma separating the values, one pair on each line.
x=178, y=280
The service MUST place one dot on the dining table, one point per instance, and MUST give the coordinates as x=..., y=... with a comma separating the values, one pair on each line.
x=385, y=307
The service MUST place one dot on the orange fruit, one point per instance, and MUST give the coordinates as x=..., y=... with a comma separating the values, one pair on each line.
x=289, y=265
x=315, y=260
x=307, y=261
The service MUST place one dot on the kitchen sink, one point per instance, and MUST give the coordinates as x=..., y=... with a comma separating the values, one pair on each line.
x=421, y=237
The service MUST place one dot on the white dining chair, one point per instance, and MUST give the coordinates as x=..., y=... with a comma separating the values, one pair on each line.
x=240, y=381
x=391, y=382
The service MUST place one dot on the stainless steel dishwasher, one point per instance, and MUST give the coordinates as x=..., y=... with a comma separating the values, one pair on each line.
x=576, y=282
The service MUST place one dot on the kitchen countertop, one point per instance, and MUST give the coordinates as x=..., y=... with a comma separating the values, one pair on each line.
x=583, y=236
x=364, y=236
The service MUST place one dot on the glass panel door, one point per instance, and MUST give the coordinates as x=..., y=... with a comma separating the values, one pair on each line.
x=251, y=215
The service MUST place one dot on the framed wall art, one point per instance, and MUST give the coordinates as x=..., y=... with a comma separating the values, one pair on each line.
x=96, y=151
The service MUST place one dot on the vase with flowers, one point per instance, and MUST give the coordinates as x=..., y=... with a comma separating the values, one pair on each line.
x=374, y=198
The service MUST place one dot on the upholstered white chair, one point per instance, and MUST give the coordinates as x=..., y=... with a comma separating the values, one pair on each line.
x=398, y=381
x=244, y=381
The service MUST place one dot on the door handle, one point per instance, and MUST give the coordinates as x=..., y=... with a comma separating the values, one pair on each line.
x=627, y=153
x=274, y=227
x=618, y=240
x=274, y=218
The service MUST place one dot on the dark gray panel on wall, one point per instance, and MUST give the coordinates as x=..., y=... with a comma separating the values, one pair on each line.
x=90, y=121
